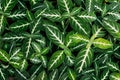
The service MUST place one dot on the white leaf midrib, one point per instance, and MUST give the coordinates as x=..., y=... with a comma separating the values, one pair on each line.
x=7, y=5
x=112, y=27
x=79, y=25
x=56, y=37
x=58, y=57
x=66, y=6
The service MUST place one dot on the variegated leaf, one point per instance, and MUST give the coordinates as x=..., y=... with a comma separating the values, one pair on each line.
x=71, y=74
x=40, y=12
x=4, y=56
x=2, y=23
x=54, y=34
x=76, y=38
x=42, y=76
x=9, y=5
x=102, y=43
x=53, y=15
x=20, y=25
x=24, y=65
x=105, y=74
x=17, y=15
x=79, y=26
x=65, y=5
x=88, y=17
x=56, y=59
x=114, y=76
x=54, y=74
x=83, y=59
x=113, y=66
x=89, y=6
x=113, y=28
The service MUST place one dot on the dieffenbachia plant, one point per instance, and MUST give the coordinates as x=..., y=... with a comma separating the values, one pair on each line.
x=59, y=39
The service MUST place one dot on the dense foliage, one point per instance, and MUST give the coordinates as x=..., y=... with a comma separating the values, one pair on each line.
x=60, y=39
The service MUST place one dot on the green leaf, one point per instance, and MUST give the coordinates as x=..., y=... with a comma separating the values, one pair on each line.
x=17, y=15
x=71, y=74
x=44, y=61
x=29, y=15
x=54, y=74
x=76, y=38
x=89, y=6
x=70, y=60
x=2, y=74
x=83, y=59
x=21, y=74
x=42, y=76
x=102, y=43
x=35, y=59
x=20, y=25
x=105, y=74
x=53, y=15
x=15, y=64
x=4, y=56
x=114, y=15
x=45, y=50
x=54, y=34
x=114, y=76
x=9, y=5
x=113, y=28
x=36, y=47
x=75, y=11
x=35, y=25
x=113, y=66
x=87, y=17
x=16, y=55
x=40, y=12
x=2, y=23
x=11, y=37
x=68, y=40
x=79, y=26
x=65, y=5
x=24, y=65
x=28, y=46
x=33, y=2
x=56, y=59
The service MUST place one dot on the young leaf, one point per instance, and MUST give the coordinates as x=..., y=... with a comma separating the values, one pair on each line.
x=24, y=65
x=56, y=59
x=76, y=38
x=4, y=56
x=114, y=76
x=102, y=43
